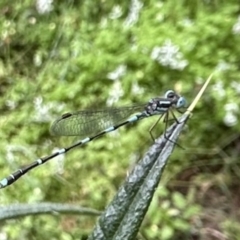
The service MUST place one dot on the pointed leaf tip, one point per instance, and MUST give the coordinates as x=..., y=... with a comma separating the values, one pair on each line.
x=199, y=95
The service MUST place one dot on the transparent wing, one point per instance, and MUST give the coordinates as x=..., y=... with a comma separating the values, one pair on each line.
x=88, y=122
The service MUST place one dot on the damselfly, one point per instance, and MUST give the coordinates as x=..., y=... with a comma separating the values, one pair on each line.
x=93, y=124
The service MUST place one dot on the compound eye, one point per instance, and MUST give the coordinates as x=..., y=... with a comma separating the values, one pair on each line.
x=181, y=102
x=170, y=94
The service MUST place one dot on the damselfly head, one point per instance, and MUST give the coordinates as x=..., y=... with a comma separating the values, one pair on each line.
x=180, y=102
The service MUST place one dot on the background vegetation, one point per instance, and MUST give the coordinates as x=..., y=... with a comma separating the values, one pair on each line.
x=63, y=56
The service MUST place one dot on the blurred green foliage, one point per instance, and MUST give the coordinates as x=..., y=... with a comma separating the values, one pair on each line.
x=71, y=55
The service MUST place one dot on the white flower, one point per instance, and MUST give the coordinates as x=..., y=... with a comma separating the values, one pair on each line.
x=169, y=55
x=115, y=93
x=236, y=86
x=117, y=73
x=133, y=15
x=231, y=118
x=219, y=89
x=116, y=12
x=236, y=27
x=44, y=6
